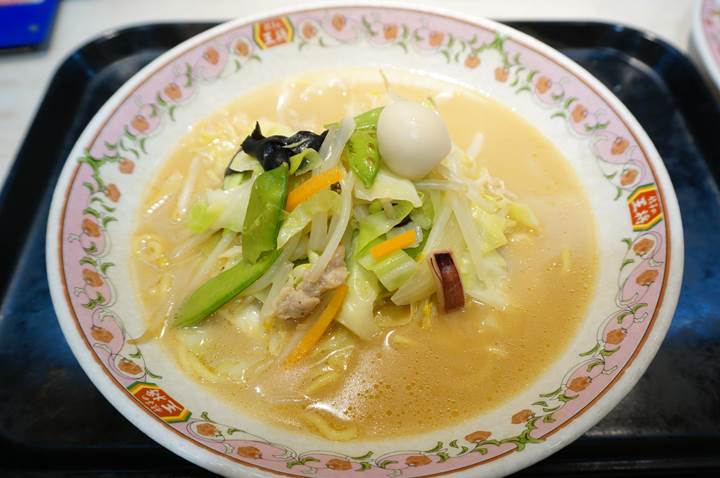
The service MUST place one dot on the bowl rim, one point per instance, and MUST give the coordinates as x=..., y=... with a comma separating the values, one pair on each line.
x=700, y=42
x=572, y=428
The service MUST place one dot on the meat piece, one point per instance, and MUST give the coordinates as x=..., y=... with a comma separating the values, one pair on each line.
x=334, y=275
x=297, y=303
x=294, y=304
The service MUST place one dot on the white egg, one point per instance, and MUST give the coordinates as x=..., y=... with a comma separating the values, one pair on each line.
x=412, y=138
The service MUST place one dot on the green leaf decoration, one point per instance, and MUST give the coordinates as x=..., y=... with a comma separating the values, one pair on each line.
x=637, y=307
x=152, y=375
x=551, y=394
x=591, y=351
x=88, y=260
x=438, y=446
x=592, y=365
x=362, y=457
x=92, y=212
x=385, y=463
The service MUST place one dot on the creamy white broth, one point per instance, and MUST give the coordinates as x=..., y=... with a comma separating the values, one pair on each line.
x=411, y=378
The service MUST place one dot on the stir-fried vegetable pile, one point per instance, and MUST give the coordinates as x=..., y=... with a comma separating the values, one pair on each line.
x=378, y=209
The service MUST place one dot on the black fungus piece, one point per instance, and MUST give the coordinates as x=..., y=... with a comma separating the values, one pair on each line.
x=303, y=140
x=274, y=150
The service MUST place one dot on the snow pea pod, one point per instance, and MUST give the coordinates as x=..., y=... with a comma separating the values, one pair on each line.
x=217, y=291
x=264, y=213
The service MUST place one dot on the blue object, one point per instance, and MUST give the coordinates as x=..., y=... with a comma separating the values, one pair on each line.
x=26, y=24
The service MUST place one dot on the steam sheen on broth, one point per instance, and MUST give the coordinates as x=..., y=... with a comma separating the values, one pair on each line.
x=419, y=373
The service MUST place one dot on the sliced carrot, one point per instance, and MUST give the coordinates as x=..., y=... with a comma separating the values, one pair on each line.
x=315, y=333
x=311, y=186
x=401, y=241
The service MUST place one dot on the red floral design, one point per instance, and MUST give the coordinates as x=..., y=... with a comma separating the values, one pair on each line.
x=522, y=416
x=112, y=192
x=207, y=429
x=129, y=367
x=619, y=146
x=140, y=123
x=646, y=278
x=92, y=278
x=100, y=334
x=338, y=464
x=390, y=32
x=643, y=246
x=436, y=38
x=91, y=228
x=478, y=436
x=628, y=176
x=126, y=166
x=501, y=74
x=249, y=452
x=472, y=61
x=418, y=460
x=578, y=384
x=173, y=91
x=615, y=336
x=211, y=55
x=339, y=22
x=543, y=85
x=579, y=113
x=309, y=31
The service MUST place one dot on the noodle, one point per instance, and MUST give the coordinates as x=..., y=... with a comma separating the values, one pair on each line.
x=222, y=245
x=328, y=431
x=321, y=381
x=338, y=230
x=187, y=189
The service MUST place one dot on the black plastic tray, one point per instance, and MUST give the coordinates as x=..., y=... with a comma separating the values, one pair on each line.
x=53, y=422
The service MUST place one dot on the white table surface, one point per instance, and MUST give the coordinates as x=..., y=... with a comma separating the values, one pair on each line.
x=25, y=76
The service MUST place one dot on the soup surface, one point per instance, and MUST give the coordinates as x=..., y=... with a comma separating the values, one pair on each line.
x=416, y=375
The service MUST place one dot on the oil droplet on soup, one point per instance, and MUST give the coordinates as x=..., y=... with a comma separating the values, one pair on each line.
x=411, y=378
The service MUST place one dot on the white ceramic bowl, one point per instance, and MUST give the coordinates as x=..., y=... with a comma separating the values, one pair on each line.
x=705, y=39
x=98, y=193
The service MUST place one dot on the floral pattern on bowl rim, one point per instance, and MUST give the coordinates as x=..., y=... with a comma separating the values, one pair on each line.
x=705, y=38
x=710, y=16
x=86, y=210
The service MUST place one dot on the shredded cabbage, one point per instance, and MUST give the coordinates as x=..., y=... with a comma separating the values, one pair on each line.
x=221, y=209
x=306, y=160
x=392, y=270
x=201, y=218
x=424, y=215
x=482, y=232
x=357, y=310
x=476, y=239
x=244, y=162
x=522, y=214
x=377, y=224
x=389, y=186
x=337, y=228
x=419, y=287
x=334, y=144
x=325, y=201
x=481, y=274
